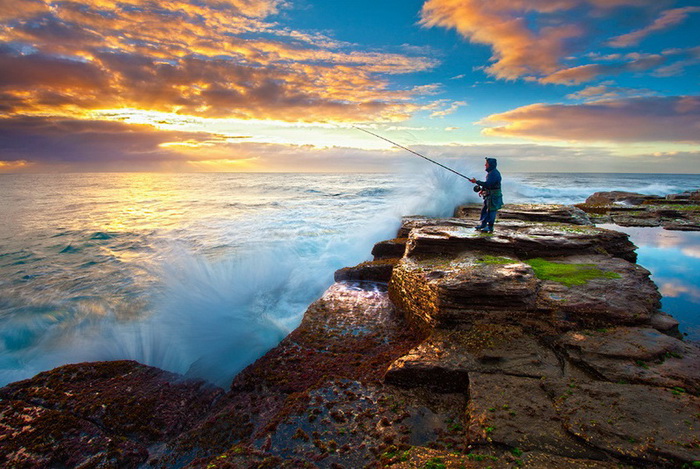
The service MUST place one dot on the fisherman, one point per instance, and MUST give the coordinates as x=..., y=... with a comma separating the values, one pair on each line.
x=493, y=198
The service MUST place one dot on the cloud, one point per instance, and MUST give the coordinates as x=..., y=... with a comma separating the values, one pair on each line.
x=37, y=144
x=453, y=106
x=646, y=119
x=688, y=57
x=606, y=91
x=667, y=19
x=517, y=49
x=42, y=142
x=583, y=73
x=211, y=58
x=539, y=39
x=675, y=289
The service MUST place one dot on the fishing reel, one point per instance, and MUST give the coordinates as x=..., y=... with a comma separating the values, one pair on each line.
x=478, y=188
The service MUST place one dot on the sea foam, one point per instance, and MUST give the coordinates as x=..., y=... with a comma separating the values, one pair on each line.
x=208, y=316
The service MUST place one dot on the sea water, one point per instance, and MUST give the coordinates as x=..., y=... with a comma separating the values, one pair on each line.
x=203, y=273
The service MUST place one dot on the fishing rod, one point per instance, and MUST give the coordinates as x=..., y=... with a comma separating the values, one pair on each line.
x=414, y=152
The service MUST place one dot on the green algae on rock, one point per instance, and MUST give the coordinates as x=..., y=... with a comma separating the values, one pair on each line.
x=568, y=274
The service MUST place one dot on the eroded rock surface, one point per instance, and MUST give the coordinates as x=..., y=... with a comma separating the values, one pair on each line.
x=517, y=238
x=444, y=360
x=636, y=355
x=106, y=413
x=652, y=425
x=530, y=212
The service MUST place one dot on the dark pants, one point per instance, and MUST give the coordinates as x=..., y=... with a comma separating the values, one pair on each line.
x=488, y=217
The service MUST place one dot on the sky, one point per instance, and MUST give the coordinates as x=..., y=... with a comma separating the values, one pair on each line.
x=281, y=85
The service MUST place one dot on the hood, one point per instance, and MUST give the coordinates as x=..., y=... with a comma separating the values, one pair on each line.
x=492, y=164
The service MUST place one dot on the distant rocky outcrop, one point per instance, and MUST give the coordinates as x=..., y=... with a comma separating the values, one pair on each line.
x=541, y=345
x=673, y=212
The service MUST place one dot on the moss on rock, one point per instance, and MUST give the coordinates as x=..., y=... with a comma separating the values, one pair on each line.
x=568, y=274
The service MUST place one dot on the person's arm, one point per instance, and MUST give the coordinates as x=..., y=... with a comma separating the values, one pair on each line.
x=490, y=183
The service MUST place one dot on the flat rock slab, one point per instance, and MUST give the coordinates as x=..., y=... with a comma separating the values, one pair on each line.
x=37, y=437
x=109, y=412
x=351, y=424
x=630, y=299
x=371, y=271
x=390, y=248
x=674, y=212
x=416, y=221
x=446, y=291
x=517, y=412
x=520, y=239
x=124, y=397
x=652, y=425
x=621, y=197
x=470, y=288
x=530, y=213
x=443, y=362
x=636, y=355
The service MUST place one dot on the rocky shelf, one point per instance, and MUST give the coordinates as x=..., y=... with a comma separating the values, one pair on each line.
x=541, y=345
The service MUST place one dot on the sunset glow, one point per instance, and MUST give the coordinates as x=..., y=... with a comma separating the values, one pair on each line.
x=271, y=85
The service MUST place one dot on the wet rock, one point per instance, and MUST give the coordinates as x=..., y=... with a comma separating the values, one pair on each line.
x=627, y=296
x=540, y=460
x=472, y=288
x=530, y=212
x=683, y=225
x=665, y=323
x=410, y=223
x=517, y=412
x=673, y=212
x=651, y=425
x=620, y=197
x=444, y=292
x=371, y=271
x=520, y=239
x=121, y=399
x=391, y=248
x=692, y=196
x=38, y=437
x=443, y=362
x=352, y=333
x=636, y=355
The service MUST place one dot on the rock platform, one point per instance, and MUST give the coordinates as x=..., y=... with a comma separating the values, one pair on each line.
x=539, y=346
x=673, y=212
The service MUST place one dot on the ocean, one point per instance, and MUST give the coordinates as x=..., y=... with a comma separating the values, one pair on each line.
x=202, y=273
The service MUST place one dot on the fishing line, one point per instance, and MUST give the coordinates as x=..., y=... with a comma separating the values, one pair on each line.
x=414, y=152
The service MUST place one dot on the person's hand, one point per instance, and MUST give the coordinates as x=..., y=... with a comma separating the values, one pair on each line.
x=472, y=180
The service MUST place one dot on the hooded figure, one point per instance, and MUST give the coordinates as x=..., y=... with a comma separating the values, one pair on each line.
x=493, y=198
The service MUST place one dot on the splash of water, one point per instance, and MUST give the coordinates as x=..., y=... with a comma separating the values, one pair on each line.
x=210, y=318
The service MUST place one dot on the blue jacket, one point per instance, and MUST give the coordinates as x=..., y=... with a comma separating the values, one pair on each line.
x=493, y=200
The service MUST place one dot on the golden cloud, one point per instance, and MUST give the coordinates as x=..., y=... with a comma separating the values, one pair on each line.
x=213, y=58
x=523, y=48
x=583, y=73
x=643, y=119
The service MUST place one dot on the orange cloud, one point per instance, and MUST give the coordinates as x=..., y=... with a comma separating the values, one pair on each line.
x=213, y=58
x=522, y=46
x=645, y=119
x=583, y=73
x=604, y=91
